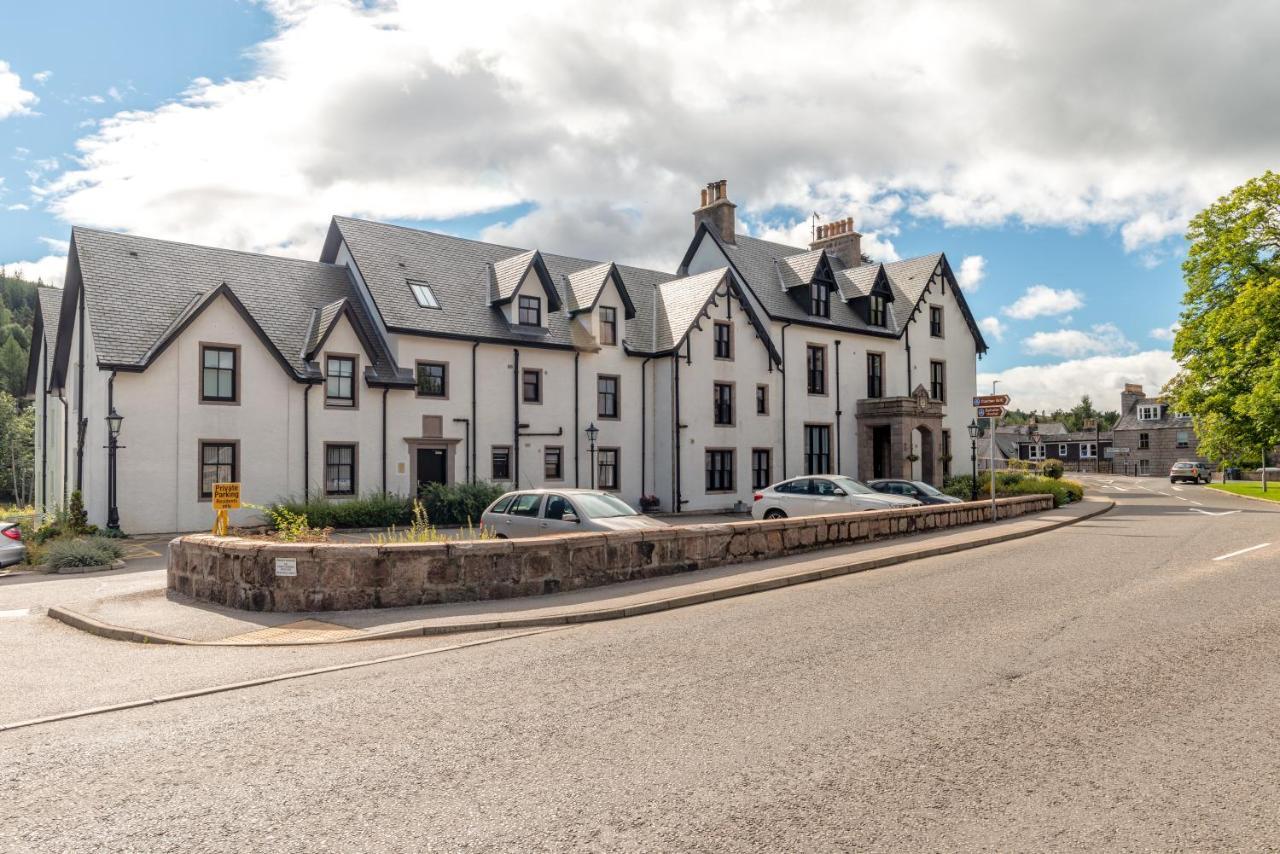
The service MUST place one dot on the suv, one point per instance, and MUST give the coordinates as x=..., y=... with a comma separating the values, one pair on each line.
x=1191, y=470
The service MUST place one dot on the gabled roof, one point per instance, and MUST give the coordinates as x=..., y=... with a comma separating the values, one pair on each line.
x=387, y=256
x=760, y=264
x=506, y=275
x=583, y=289
x=165, y=285
x=1167, y=420
x=795, y=271
x=44, y=327
x=682, y=303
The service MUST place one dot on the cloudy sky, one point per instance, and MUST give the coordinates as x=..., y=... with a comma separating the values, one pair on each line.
x=1054, y=151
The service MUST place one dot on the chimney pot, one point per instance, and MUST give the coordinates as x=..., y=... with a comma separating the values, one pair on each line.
x=717, y=211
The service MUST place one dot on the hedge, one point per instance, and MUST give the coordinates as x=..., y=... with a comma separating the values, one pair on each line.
x=453, y=504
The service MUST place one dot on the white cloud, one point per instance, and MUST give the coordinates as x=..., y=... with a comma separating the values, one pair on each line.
x=18, y=207
x=1042, y=300
x=114, y=94
x=1165, y=333
x=438, y=113
x=57, y=245
x=1103, y=338
x=14, y=100
x=93, y=99
x=42, y=77
x=50, y=269
x=992, y=327
x=973, y=269
x=1049, y=387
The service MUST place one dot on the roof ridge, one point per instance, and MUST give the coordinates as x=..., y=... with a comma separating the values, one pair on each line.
x=127, y=235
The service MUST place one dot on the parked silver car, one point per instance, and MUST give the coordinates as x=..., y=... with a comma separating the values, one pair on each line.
x=12, y=549
x=1190, y=470
x=816, y=496
x=541, y=512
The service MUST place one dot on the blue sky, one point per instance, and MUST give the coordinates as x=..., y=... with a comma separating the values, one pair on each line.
x=247, y=124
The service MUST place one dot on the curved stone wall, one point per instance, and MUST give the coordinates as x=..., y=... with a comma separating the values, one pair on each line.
x=263, y=576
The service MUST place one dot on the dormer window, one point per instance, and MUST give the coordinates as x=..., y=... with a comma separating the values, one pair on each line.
x=424, y=295
x=876, y=310
x=530, y=311
x=1149, y=413
x=608, y=325
x=819, y=298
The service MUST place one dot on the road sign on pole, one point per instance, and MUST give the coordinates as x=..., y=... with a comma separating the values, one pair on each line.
x=991, y=400
x=990, y=411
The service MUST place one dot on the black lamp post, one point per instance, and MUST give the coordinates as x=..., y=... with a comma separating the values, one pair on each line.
x=592, y=432
x=114, y=421
x=974, y=432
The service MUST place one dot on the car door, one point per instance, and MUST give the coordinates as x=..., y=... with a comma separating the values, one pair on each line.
x=825, y=497
x=554, y=510
x=522, y=515
x=794, y=497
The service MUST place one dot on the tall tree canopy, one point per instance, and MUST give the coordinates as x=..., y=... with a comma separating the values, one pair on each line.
x=1229, y=343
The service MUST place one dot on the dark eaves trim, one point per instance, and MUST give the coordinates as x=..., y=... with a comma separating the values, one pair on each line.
x=483, y=339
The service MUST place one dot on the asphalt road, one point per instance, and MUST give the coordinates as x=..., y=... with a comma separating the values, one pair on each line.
x=1107, y=686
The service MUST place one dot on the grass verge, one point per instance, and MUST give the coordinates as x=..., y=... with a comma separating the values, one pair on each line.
x=1250, y=488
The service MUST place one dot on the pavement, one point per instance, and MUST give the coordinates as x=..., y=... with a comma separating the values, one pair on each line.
x=156, y=615
x=1107, y=686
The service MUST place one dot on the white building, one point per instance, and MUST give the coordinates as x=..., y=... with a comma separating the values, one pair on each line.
x=403, y=357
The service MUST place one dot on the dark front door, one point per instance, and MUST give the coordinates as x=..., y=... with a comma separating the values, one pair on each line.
x=881, y=439
x=431, y=466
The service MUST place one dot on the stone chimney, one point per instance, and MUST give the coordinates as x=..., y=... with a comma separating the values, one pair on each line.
x=1130, y=396
x=717, y=211
x=840, y=240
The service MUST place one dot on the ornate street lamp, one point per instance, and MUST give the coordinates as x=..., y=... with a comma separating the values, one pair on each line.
x=974, y=432
x=114, y=421
x=592, y=432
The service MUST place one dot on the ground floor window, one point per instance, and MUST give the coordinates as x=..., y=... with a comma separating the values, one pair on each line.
x=553, y=463
x=340, y=469
x=761, y=468
x=720, y=471
x=1144, y=466
x=1035, y=452
x=219, y=463
x=817, y=449
x=500, y=462
x=607, y=468
x=946, y=453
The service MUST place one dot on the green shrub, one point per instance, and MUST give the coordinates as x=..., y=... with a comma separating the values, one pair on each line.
x=373, y=510
x=457, y=504
x=961, y=486
x=1052, y=468
x=77, y=552
x=108, y=545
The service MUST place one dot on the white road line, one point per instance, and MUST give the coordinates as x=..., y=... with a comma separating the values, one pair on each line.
x=1193, y=501
x=1212, y=513
x=1243, y=551
x=1176, y=488
x=1180, y=498
x=13, y=615
x=1165, y=494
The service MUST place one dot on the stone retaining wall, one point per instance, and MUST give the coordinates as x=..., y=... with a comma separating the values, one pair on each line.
x=341, y=576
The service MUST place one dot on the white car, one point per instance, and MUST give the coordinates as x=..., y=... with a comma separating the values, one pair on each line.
x=817, y=496
x=540, y=512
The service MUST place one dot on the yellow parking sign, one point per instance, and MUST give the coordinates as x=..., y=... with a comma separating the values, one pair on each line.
x=226, y=496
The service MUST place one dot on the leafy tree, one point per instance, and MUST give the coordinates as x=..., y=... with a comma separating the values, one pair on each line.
x=13, y=367
x=1229, y=340
x=17, y=449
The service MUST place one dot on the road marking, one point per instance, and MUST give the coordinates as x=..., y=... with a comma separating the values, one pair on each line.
x=1193, y=501
x=1210, y=512
x=13, y=615
x=1176, y=488
x=1242, y=551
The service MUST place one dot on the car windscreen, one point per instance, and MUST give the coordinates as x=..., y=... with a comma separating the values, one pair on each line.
x=927, y=489
x=602, y=506
x=852, y=486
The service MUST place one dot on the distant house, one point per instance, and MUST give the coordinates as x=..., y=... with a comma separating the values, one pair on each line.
x=1008, y=437
x=1150, y=437
x=1080, y=451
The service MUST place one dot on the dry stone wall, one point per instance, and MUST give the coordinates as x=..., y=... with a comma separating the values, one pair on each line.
x=260, y=576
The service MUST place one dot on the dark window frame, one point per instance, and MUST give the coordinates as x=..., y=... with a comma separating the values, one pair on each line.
x=535, y=386
x=722, y=346
x=614, y=396
x=936, y=327
x=354, y=465
x=938, y=380
x=234, y=370
x=821, y=456
x=201, y=445
x=502, y=452
x=815, y=360
x=529, y=307
x=609, y=321
x=722, y=411
x=762, y=399
x=875, y=376
x=339, y=402
x=720, y=466
x=877, y=310
x=444, y=379
x=614, y=467
x=819, y=298
x=757, y=480
x=548, y=472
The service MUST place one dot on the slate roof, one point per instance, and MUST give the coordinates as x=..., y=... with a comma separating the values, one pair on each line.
x=680, y=302
x=1077, y=436
x=457, y=270
x=50, y=308
x=772, y=269
x=507, y=274
x=162, y=285
x=1167, y=421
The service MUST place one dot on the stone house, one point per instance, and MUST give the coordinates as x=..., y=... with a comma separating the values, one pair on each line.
x=1150, y=437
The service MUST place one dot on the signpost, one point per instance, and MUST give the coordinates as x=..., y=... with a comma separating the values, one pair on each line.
x=226, y=496
x=991, y=406
x=991, y=400
x=990, y=411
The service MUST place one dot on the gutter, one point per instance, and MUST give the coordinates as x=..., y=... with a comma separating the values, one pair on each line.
x=577, y=449
x=676, y=500
x=306, y=445
x=839, y=413
x=80, y=419
x=644, y=433
x=515, y=423
x=384, y=438
x=473, y=472
x=782, y=369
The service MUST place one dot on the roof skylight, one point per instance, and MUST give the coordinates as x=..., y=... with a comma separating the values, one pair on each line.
x=424, y=295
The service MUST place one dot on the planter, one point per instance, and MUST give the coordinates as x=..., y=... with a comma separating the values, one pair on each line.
x=77, y=570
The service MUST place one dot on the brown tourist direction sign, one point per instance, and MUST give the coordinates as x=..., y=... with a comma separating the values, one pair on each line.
x=992, y=400
x=990, y=411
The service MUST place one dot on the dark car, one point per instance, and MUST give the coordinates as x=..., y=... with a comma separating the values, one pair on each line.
x=917, y=489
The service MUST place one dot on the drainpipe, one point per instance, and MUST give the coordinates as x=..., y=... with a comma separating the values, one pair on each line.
x=113, y=515
x=644, y=394
x=677, y=501
x=782, y=369
x=908, y=338
x=577, y=453
x=385, y=389
x=66, y=431
x=515, y=421
x=473, y=473
x=839, y=469
x=306, y=445
x=44, y=443
x=80, y=400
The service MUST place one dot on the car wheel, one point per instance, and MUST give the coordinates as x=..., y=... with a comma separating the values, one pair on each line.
x=774, y=513
x=501, y=536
